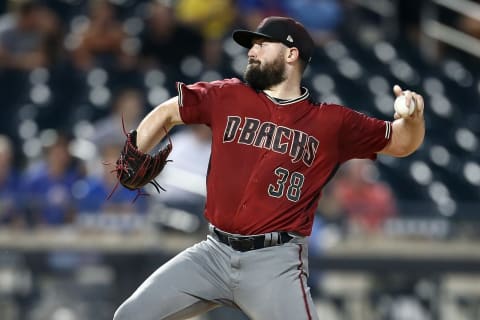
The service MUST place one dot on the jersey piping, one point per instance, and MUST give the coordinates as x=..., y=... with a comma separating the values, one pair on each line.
x=180, y=95
x=388, y=129
x=304, y=96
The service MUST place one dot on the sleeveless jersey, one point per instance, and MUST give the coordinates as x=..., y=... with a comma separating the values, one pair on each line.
x=270, y=159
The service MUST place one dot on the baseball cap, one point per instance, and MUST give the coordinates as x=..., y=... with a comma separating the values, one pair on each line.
x=282, y=29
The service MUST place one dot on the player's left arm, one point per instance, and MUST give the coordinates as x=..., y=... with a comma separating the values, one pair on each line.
x=407, y=133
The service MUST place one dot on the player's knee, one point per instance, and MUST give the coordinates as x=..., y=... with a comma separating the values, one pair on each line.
x=119, y=314
x=124, y=312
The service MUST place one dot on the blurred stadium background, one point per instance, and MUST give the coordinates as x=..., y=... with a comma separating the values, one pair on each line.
x=403, y=243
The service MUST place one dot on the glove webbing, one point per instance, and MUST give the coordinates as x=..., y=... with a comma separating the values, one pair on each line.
x=146, y=163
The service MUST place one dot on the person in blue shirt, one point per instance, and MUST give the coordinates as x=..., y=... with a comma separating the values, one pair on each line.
x=100, y=194
x=48, y=185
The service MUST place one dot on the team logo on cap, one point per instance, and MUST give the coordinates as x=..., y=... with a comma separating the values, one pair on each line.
x=290, y=39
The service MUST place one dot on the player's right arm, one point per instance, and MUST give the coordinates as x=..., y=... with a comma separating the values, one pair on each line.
x=151, y=129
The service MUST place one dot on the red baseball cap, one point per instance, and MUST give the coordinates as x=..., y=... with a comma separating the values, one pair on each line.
x=282, y=29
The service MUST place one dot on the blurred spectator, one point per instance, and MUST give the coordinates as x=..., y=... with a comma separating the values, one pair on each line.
x=365, y=201
x=100, y=41
x=213, y=18
x=22, y=44
x=50, y=26
x=320, y=17
x=9, y=185
x=165, y=42
x=97, y=189
x=48, y=185
x=30, y=43
x=329, y=225
x=128, y=104
x=252, y=12
x=470, y=25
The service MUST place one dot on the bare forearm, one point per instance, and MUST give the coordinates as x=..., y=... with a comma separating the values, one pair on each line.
x=409, y=134
x=152, y=129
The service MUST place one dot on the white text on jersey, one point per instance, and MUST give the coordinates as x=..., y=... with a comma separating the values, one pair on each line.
x=268, y=135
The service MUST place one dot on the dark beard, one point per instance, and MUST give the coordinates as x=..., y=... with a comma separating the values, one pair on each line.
x=264, y=77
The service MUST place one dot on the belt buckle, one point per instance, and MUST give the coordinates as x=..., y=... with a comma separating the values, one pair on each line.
x=241, y=244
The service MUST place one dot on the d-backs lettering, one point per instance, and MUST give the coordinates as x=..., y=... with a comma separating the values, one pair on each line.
x=268, y=135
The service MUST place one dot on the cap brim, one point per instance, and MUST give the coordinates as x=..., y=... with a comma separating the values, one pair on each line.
x=245, y=38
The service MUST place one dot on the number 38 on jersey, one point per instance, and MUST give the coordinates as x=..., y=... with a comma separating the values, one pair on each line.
x=288, y=184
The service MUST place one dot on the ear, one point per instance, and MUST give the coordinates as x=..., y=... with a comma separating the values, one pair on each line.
x=292, y=54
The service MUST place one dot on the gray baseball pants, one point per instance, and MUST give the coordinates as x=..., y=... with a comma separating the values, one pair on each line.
x=266, y=284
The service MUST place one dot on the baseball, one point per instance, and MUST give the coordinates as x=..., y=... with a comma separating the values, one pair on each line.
x=401, y=108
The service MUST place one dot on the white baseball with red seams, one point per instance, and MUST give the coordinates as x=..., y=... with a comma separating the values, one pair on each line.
x=401, y=107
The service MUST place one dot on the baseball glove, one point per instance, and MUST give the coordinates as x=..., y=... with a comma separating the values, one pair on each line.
x=136, y=169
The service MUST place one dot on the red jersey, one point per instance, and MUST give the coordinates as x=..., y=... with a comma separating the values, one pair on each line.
x=270, y=159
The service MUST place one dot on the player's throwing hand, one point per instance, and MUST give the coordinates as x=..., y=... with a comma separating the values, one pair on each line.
x=410, y=97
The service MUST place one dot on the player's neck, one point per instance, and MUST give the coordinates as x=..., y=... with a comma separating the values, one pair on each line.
x=287, y=90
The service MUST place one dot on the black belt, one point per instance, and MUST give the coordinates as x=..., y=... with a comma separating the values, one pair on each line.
x=247, y=243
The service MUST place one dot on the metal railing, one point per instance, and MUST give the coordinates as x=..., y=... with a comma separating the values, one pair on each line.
x=434, y=31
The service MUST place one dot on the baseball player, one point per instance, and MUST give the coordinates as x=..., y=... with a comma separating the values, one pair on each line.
x=273, y=150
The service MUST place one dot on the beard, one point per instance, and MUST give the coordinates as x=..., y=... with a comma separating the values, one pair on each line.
x=264, y=76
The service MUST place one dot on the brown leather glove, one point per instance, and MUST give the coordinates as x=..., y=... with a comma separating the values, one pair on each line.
x=135, y=168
